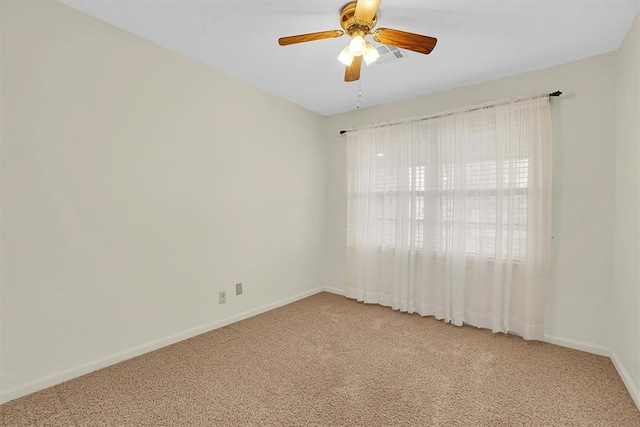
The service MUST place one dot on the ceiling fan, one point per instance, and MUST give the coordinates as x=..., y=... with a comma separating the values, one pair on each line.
x=357, y=19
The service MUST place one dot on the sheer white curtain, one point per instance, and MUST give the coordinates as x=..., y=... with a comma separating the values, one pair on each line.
x=450, y=216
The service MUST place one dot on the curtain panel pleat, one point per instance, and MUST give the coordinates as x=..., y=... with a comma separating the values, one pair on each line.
x=451, y=216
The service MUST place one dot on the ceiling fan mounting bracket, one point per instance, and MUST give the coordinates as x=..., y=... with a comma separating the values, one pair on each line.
x=351, y=25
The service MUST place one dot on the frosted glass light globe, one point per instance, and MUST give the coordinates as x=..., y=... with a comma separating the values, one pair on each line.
x=345, y=56
x=371, y=55
x=357, y=45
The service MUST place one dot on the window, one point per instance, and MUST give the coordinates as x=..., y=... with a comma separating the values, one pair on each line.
x=473, y=191
x=447, y=185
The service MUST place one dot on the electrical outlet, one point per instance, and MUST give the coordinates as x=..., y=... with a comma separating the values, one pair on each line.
x=238, y=288
x=223, y=297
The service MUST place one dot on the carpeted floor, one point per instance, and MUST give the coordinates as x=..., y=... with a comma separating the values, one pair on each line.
x=331, y=361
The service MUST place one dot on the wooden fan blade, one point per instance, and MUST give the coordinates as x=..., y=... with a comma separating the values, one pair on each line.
x=352, y=73
x=285, y=41
x=404, y=40
x=366, y=10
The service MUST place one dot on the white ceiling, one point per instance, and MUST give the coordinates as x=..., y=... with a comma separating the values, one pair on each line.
x=477, y=41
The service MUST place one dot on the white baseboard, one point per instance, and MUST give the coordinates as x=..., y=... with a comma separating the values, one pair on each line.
x=577, y=345
x=335, y=290
x=114, y=358
x=626, y=379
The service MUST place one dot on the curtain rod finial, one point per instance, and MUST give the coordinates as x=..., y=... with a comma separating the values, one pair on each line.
x=556, y=93
x=342, y=132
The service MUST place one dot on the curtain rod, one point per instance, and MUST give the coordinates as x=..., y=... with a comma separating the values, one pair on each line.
x=342, y=132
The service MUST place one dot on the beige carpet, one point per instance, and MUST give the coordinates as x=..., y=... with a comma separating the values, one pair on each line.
x=331, y=361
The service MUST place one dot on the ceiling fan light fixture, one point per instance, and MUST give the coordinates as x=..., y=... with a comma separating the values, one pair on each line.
x=371, y=54
x=346, y=57
x=357, y=45
x=357, y=19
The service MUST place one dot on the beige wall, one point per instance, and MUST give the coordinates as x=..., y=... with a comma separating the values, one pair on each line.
x=578, y=295
x=625, y=331
x=136, y=184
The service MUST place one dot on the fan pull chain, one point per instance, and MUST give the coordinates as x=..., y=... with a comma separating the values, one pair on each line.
x=359, y=94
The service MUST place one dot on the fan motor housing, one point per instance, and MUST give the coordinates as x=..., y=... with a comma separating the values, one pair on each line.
x=349, y=23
